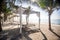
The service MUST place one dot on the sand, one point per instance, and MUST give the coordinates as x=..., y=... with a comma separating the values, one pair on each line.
x=44, y=34
x=11, y=31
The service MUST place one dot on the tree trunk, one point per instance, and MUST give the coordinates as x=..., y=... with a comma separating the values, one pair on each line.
x=0, y=25
x=49, y=22
x=5, y=16
x=1, y=8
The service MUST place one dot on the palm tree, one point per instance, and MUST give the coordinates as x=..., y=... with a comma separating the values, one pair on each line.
x=49, y=5
x=3, y=9
x=2, y=3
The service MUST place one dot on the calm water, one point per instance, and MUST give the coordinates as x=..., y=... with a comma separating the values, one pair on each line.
x=55, y=21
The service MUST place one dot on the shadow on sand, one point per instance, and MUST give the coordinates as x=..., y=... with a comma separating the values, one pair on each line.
x=55, y=33
x=27, y=32
x=34, y=31
x=45, y=38
x=14, y=34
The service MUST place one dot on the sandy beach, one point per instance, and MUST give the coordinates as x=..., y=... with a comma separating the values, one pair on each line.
x=33, y=32
x=11, y=31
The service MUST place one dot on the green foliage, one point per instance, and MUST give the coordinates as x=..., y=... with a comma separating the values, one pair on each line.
x=45, y=3
x=5, y=9
x=48, y=3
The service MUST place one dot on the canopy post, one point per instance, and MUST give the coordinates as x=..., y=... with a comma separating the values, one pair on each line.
x=27, y=20
x=21, y=18
x=20, y=22
x=39, y=20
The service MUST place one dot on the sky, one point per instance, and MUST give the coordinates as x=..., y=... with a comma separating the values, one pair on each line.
x=43, y=13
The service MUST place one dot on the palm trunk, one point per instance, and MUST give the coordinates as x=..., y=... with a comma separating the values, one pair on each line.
x=1, y=8
x=5, y=16
x=49, y=22
x=0, y=25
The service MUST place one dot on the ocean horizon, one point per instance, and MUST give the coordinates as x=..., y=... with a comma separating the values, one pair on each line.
x=34, y=19
x=53, y=21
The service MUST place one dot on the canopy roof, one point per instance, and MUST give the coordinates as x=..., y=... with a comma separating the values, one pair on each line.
x=26, y=10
